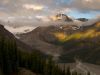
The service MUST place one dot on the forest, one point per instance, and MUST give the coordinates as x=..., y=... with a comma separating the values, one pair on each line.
x=12, y=60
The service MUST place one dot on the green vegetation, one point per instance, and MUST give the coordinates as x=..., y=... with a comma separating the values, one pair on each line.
x=8, y=56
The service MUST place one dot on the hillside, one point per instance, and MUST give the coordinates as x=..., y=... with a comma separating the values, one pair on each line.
x=16, y=59
x=9, y=35
x=58, y=39
x=83, y=45
x=67, y=42
x=42, y=39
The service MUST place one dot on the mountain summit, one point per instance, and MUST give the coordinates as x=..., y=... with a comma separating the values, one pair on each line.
x=61, y=17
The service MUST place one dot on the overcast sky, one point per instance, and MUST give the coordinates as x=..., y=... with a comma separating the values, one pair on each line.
x=34, y=8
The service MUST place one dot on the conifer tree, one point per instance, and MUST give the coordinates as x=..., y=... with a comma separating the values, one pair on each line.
x=68, y=71
x=74, y=73
x=88, y=73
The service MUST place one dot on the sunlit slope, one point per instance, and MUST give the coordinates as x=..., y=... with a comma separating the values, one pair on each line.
x=89, y=33
x=83, y=45
x=63, y=37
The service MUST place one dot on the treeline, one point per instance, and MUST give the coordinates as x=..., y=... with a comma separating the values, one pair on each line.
x=12, y=60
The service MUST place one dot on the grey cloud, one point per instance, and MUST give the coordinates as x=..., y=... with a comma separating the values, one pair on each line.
x=85, y=5
x=15, y=7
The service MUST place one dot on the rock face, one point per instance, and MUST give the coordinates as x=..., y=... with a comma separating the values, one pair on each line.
x=63, y=17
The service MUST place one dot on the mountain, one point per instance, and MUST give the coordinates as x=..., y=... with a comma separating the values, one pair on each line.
x=61, y=17
x=83, y=45
x=9, y=35
x=66, y=42
x=42, y=39
x=63, y=42
x=82, y=19
x=18, y=55
x=19, y=26
x=21, y=46
x=22, y=61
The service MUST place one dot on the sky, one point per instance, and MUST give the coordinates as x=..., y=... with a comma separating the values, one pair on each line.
x=25, y=15
x=33, y=8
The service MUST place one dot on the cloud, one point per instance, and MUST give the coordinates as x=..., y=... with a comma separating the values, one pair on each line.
x=85, y=5
x=43, y=18
x=32, y=6
x=23, y=29
x=47, y=7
